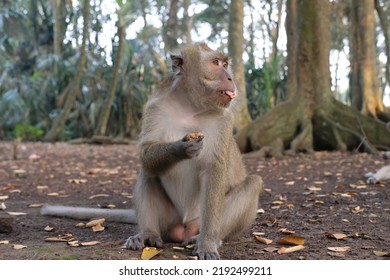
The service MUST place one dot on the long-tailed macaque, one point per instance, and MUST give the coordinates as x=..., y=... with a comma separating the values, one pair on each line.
x=192, y=185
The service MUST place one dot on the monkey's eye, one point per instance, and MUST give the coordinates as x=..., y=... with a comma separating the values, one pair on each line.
x=225, y=65
x=217, y=62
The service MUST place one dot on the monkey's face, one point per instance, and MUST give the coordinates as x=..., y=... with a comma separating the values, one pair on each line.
x=217, y=80
x=204, y=75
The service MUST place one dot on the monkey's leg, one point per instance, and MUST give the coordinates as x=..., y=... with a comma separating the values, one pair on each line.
x=155, y=214
x=240, y=206
x=239, y=212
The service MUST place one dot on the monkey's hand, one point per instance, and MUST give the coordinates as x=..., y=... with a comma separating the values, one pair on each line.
x=137, y=242
x=192, y=144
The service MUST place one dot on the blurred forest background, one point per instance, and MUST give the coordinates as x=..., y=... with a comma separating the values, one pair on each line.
x=315, y=73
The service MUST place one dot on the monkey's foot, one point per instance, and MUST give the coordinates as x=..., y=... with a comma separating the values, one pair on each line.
x=208, y=254
x=137, y=242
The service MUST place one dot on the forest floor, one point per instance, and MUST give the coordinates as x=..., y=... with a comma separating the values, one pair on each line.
x=320, y=199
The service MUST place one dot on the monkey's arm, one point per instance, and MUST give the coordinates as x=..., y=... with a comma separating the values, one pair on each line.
x=157, y=157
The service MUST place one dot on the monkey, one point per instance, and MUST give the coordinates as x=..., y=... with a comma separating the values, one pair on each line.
x=192, y=186
x=383, y=174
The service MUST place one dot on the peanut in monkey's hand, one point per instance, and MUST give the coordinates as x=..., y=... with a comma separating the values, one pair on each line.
x=192, y=144
x=196, y=135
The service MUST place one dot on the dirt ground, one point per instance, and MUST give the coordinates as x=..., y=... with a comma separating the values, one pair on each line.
x=310, y=196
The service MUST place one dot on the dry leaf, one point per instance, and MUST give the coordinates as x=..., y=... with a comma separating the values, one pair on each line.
x=260, y=211
x=61, y=238
x=17, y=213
x=286, y=231
x=19, y=246
x=291, y=183
x=48, y=228
x=381, y=254
x=263, y=240
x=179, y=249
x=2, y=206
x=53, y=194
x=98, y=195
x=314, y=188
x=358, y=186
x=4, y=242
x=149, y=252
x=89, y=243
x=42, y=187
x=190, y=246
x=56, y=239
x=284, y=250
x=4, y=197
x=15, y=191
x=292, y=240
x=74, y=243
x=95, y=222
x=339, y=249
x=8, y=187
x=80, y=225
x=257, y=233
x=277, y=202
x=35, y=205
x=357, y=210
x=97, y=228
x=338, y=236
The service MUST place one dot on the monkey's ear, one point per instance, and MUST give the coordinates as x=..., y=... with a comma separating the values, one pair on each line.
x=177, y=63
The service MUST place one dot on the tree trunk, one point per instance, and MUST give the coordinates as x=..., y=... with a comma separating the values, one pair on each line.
x=105, y=113
x=311, y=119
x=59, y=122
x=365, y=93
x=170, y=31
x=292, y=46
x=187, y=23
x=236, y=49
x=386, y=33
x=59, y=14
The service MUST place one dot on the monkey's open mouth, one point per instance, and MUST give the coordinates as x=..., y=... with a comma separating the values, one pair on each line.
x=231, y=94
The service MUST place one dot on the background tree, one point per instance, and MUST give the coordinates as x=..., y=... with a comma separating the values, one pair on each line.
x=311, y=118
x=73, y=89
x=236, y=49
x=384, y=19
x=124, y=13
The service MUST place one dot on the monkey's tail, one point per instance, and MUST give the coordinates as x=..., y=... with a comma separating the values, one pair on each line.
x=82, y=213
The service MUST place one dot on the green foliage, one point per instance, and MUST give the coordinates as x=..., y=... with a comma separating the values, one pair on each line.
x=28, y=132
x=265, y=87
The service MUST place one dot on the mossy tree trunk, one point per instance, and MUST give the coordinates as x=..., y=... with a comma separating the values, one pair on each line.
x=311, y=119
